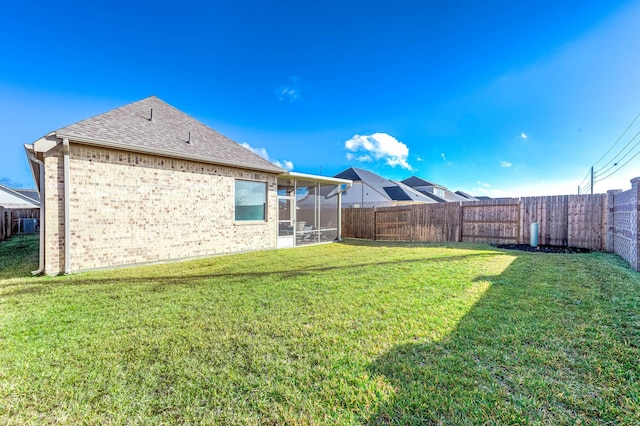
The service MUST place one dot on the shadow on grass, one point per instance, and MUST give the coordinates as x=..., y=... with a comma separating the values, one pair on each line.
x=159, y=282
x=530, y=351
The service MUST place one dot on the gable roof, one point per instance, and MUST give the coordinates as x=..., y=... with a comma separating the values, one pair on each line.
x=12, y=199
x=155, y=127
x=415, y=181
x=434, y=197
x=421, y=185
x=413, y=194
x=395, y=191
x=31, y=193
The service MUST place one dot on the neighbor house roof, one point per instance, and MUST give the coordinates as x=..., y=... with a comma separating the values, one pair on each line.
x=396, y=191
x=13, y=199
x=155, y=127
x=426, y=187
x=415, y=181
x=31, y=193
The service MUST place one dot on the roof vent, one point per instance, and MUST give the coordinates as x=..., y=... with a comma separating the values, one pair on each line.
x=151, y=119
x=189, y=141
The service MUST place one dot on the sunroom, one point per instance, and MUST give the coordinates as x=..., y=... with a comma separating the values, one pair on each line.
x=309, y=209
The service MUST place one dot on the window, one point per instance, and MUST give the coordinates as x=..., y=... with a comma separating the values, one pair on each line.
x=439, y=192
x=251, y=200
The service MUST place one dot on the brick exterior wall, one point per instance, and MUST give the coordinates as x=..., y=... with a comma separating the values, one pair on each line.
x=623, y=231
x=54, y=212
x=128, y=208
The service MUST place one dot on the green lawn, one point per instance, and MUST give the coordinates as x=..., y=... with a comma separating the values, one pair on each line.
x=351, y=333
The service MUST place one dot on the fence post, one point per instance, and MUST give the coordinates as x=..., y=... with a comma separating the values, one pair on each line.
x=375, y=226
x=461, y=220
x=1, y=223
x=611, y=214
x=8, y=223
x=635, y=225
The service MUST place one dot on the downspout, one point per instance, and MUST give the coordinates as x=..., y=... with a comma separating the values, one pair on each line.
x=42, y=217
x=67, y=229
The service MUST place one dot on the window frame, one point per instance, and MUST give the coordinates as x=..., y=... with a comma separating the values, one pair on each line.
x=265, y=215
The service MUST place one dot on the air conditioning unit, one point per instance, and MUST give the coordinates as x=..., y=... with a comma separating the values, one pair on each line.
x=28, y=226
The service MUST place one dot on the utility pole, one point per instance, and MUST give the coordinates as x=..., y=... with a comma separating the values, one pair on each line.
x=591, y=180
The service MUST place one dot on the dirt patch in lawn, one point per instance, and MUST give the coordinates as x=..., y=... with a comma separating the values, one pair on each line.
x=543, y=249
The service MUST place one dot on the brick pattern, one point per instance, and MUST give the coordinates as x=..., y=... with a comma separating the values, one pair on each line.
x=128, y=208
x=54, y=212
x=625, y=224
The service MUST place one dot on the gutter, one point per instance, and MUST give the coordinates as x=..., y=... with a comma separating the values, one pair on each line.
x=67, y=222
x=33, y=158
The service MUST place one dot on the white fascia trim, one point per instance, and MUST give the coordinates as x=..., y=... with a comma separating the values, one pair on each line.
x=316, y=178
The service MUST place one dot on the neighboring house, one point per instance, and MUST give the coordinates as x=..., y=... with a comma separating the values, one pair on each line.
x=19, y=212
x=437, y=192
x=146, y=182
x=18, y=198
x=372, y=190
x=31, y=193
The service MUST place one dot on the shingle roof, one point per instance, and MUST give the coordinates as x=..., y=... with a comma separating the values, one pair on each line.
x=31, y=193
x=12, y=199
x=396, y=191
x=415, y=181
x=413, y=194
x=434, y=197
x=151, y=125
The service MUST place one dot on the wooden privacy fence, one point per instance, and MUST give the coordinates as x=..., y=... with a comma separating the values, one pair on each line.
x=569, y=220
x=9, y=220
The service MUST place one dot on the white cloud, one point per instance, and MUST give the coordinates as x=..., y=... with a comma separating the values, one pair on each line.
x=378, y=146
x=505, y=164
x=262, y=152
x=287, y=165
x=444, y=157
x=523, y=136
x=289, y=92
x=419, y=159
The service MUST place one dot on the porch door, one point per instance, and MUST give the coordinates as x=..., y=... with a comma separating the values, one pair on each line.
x=286, y=220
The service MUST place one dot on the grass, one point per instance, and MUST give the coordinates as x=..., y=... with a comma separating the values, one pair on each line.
x=351, y=333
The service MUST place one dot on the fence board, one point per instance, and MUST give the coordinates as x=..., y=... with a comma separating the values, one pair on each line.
x=358, y=223
x=394, y=223
x=587, y=221
x=551, y=215
x=434, y=223
x=491, y=221
x=2, y=221
x=566, y=220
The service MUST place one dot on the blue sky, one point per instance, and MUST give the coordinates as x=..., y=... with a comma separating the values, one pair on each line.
x=500, y=98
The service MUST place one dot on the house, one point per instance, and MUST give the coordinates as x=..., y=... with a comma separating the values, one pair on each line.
x=437, y=192
x=18, y=198
x=146, y=182
x=370, y=189
x=19, y=212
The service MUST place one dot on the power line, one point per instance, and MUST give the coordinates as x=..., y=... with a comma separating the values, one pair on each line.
x=618, y=140
x=623, y=157
x=618, y=169
x=585, y=178
x=590, y=178
x=619, y=152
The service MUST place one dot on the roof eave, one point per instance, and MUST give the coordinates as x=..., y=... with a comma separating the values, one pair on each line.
x=316, y=178
x=164, y=153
